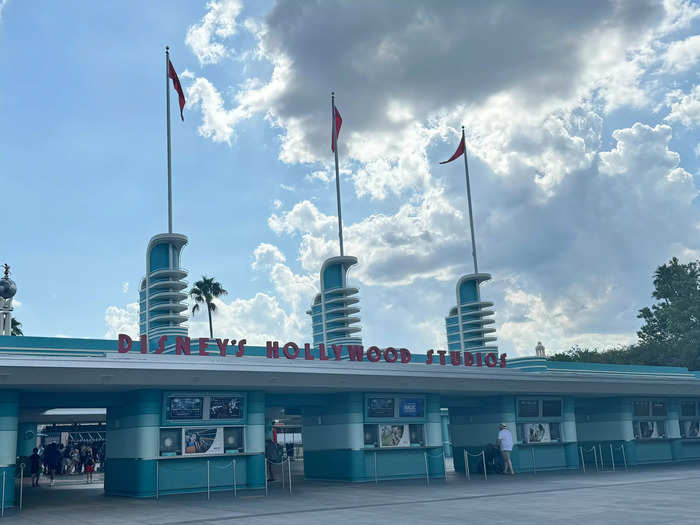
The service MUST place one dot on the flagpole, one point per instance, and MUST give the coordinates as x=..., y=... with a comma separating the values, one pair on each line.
x=167, y=112
x=469, y=200
x=337, y=176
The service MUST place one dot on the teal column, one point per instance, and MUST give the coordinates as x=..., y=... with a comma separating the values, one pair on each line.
x=673, y=429
x=9, y=414
x=133, y=431
x=445, y=420
x=255, y=440
x=433, y=438
x=569, y=436
x=26, y=440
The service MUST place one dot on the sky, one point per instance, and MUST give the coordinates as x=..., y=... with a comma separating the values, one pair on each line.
x=584, y=156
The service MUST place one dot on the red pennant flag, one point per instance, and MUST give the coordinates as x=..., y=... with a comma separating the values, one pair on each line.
x=177, y=86
x=338, y=123
x=458, y=153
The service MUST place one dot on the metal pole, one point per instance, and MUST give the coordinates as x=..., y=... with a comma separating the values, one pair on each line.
x=234, y=478
x=289, y=470
x=595, y=458
x=532, y=455
x=583, y=461
x=157, y=478
x=444, y=460
x=2, y=505
x=167, y=110
x=265, y=471
x=21, y=484
x=469, y=201
x=600, y=449
x=483, y=457
x=282, y=471
x=337, y=175
x=624, y=456
x=466, y=464
x=208, y=482
x=427, y=476
x=612, y=457
x=376, y=478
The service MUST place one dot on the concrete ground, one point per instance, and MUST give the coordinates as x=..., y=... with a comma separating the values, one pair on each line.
x=654, y=495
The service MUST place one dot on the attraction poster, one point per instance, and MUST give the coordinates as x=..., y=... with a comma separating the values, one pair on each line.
x=380, y=407
x=183, y=408
x=226, y=407
x=204, y=441
x=536, y=433
x=394, y=436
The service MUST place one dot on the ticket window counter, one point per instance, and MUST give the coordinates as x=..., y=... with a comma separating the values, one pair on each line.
x=203, y=443
x=545, y=434
x=689, y=429
x=654, y=428
x=396, y=432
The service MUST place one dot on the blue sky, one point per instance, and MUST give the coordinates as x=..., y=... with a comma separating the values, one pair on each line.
x=584, y=155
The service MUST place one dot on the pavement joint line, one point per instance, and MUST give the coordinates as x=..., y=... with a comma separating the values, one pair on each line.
x=432, y=500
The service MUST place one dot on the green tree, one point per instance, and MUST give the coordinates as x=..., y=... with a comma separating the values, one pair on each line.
x=203, y=292
x=16, y=328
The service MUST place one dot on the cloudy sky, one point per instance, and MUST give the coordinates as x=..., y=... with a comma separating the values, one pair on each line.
x=582, y=124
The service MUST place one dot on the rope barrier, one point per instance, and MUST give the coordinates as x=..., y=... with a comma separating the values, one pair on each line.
x=595, y=457
x=467, y=455
x=289, y=471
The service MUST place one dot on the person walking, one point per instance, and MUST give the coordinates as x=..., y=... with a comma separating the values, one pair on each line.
x=89, y=465
x=505, y=443
x=35, y=467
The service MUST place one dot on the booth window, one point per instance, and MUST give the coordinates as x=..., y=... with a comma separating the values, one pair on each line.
x=186, y=441
x=539, y=420
x=649, y=419
x=689, y=422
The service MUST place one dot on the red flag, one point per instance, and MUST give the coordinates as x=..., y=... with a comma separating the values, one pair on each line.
x=458, y=153
x=338, y=123
x=177, y=86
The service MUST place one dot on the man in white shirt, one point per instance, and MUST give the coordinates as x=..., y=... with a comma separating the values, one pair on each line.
x=505, y=443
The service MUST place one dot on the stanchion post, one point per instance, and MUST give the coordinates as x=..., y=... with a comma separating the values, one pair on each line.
x=208, y=482
x=265, y=471
x=595, y=458
x=612, y=457
x=444, y=460
x=282, y=472
x=483, y=457
x=2, y=504
x=21, y=484
x=427, y=476
x=466, y=464
x=600, y=449
x=532, y=456
x=624, y=456
x=289, y=470
x=234, y=478
x=583, y=461
x=376, y=475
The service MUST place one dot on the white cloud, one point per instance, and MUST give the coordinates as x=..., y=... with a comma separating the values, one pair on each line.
x=685, y=107
x=277, y=204
x=219, y=23
x=321, y=175
x=682, y=55
x=122, y=320
x=125, y=287
x=266, y=255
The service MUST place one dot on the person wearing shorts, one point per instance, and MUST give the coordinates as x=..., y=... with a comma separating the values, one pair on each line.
x=505, y=443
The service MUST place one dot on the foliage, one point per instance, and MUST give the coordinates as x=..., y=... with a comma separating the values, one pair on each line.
x=16, y=328
x=671, y=332
x=205, y=291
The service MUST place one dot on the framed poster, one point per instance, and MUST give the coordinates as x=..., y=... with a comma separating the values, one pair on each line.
x=379, y=407
x=204, y=441
x=690, y=429
x=394, y=436
x=170, y=441
x=233, y=440
x=226, y=407
x=536, y=433
x=183, y=408
x=411, y=407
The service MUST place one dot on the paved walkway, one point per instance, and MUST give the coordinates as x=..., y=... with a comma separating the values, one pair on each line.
x=653, y=495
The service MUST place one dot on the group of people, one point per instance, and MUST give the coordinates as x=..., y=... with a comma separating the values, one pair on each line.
x=56, y=459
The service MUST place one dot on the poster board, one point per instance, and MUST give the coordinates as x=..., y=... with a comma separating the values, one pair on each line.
x=394, y=435
x=203, y=440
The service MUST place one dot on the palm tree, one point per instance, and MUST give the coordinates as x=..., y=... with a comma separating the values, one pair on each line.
x=204, y=291
x=16, y=328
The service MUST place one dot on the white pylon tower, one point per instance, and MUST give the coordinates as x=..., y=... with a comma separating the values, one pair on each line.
x=8, y=289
